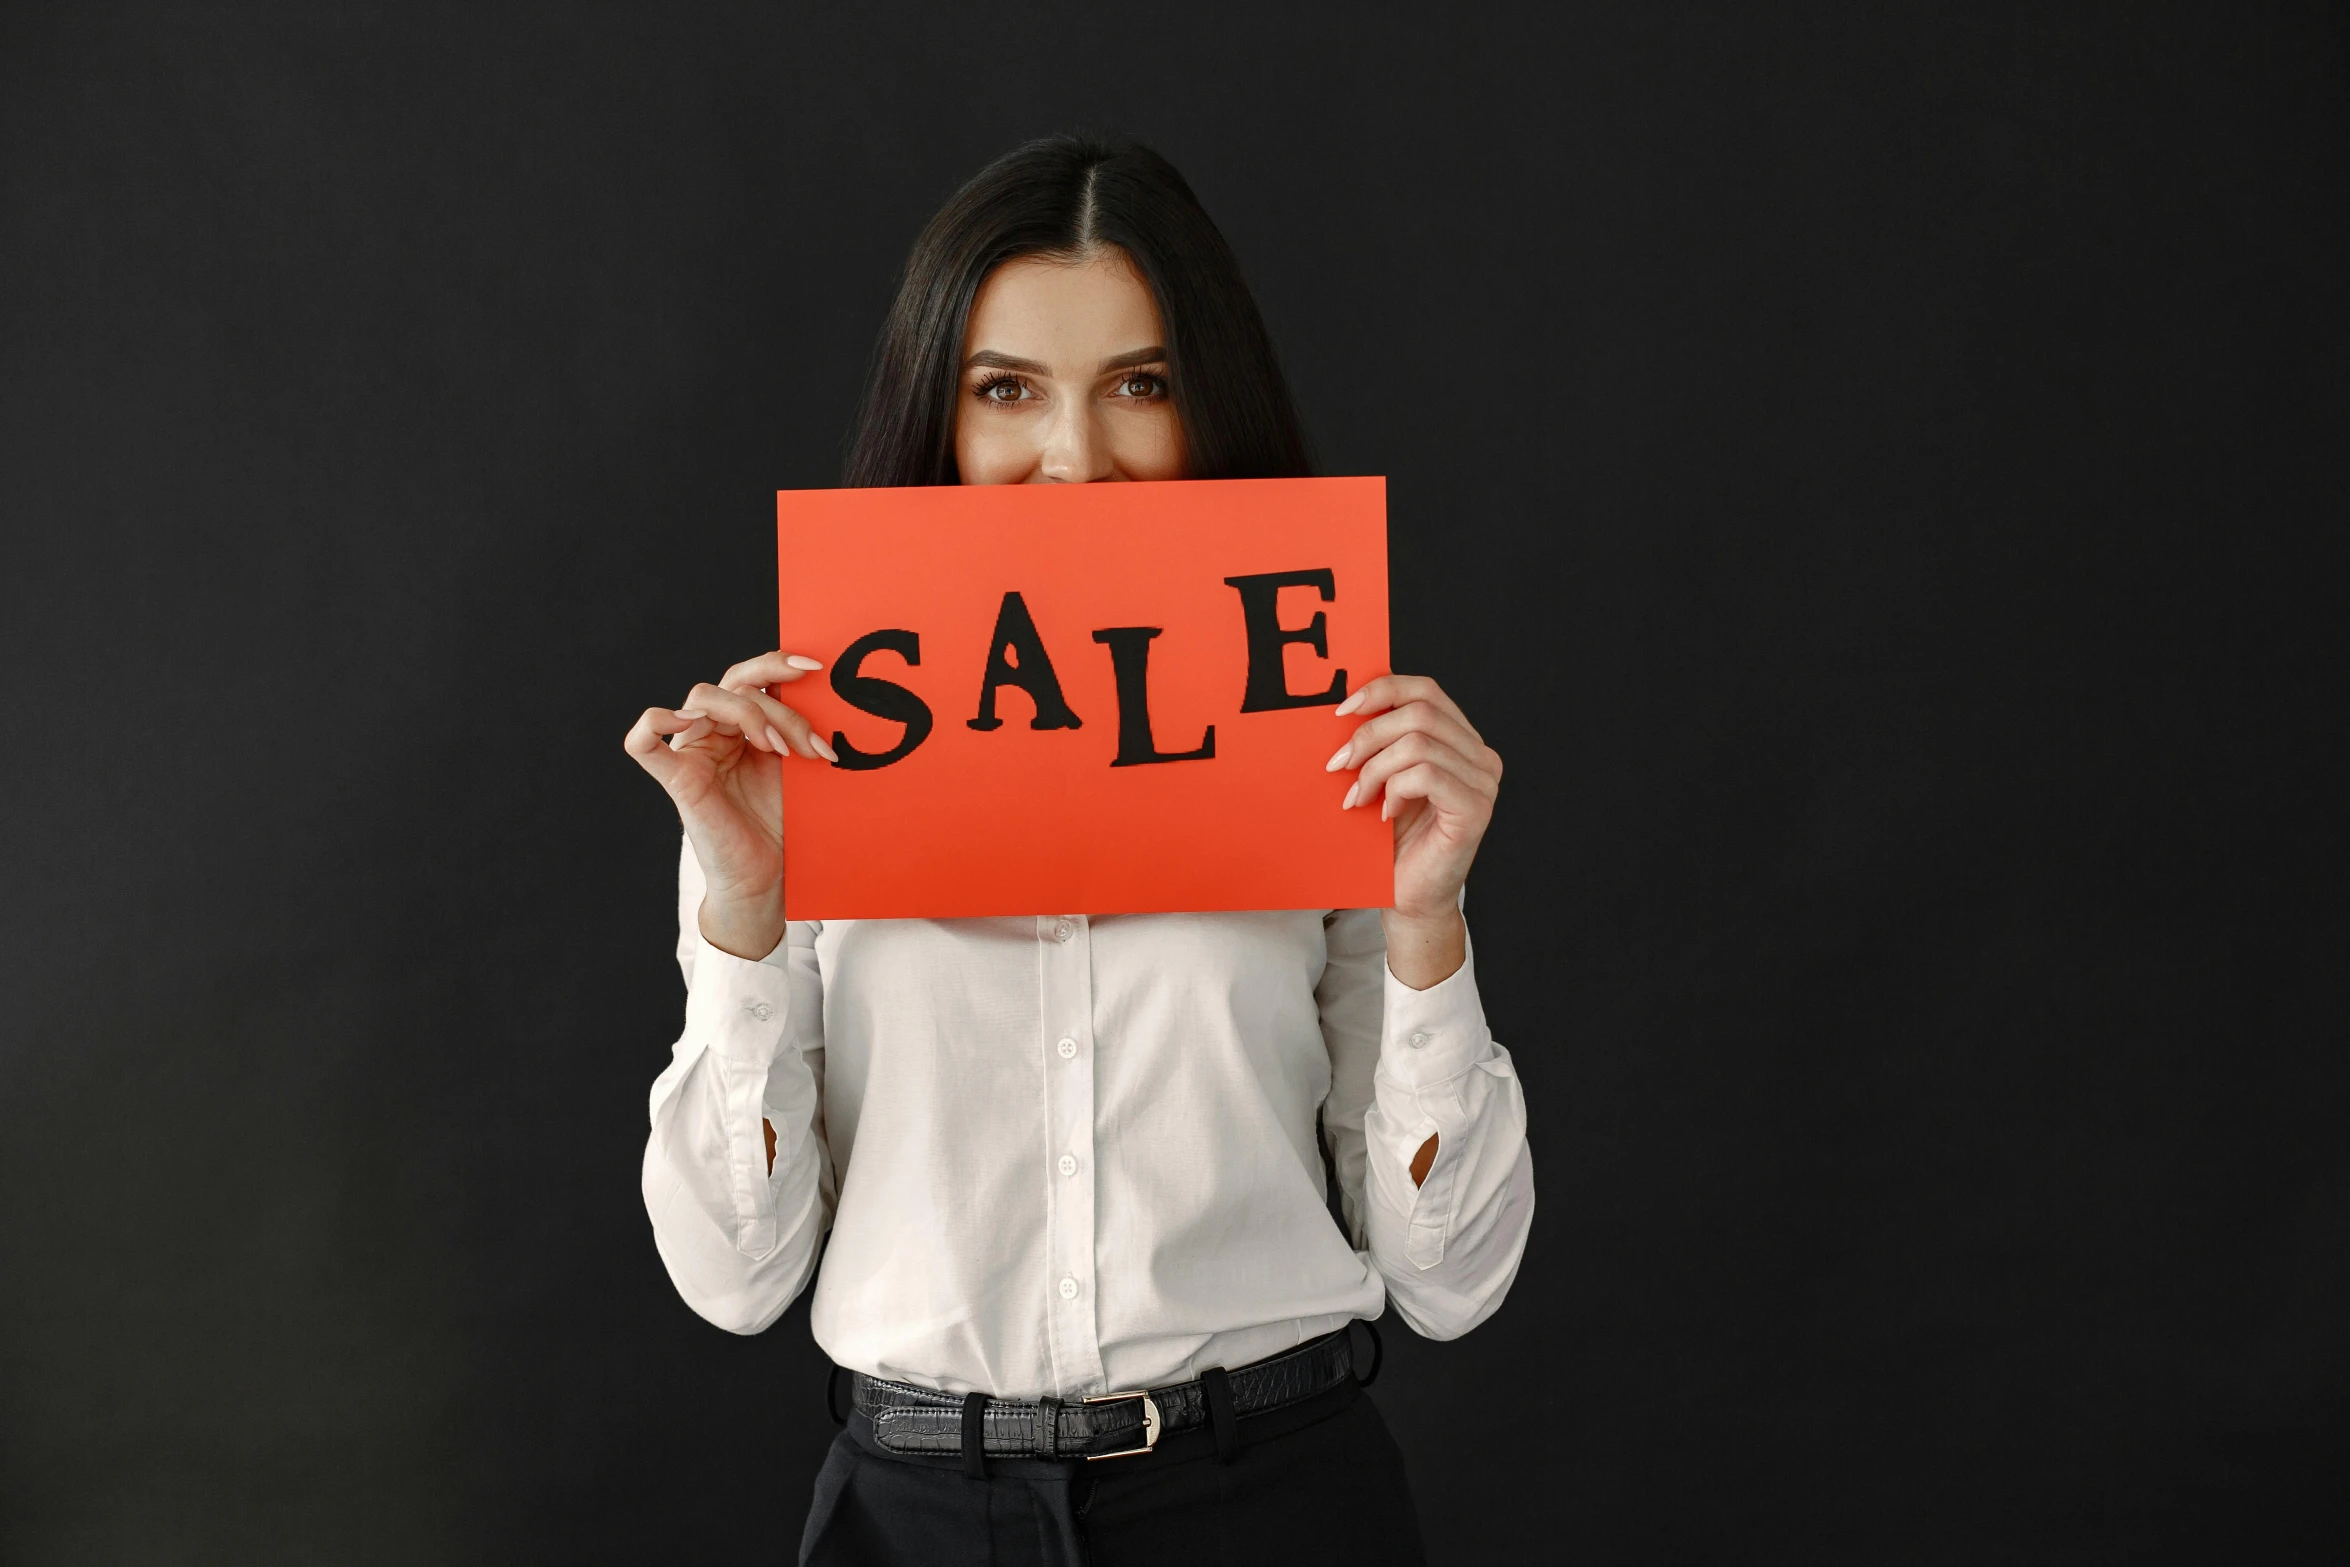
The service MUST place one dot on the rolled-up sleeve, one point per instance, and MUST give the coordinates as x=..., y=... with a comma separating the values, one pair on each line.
x=739, y=1239
x=1408, y=1065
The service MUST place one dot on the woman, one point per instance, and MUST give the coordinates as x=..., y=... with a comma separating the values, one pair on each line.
x=1064, y=1159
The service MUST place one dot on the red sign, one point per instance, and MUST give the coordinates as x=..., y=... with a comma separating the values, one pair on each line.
x=1082, y=698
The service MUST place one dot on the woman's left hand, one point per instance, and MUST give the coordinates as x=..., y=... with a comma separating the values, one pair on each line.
x=1434, y=776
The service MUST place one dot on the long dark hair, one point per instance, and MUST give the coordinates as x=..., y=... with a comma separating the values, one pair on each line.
x=1067, y=195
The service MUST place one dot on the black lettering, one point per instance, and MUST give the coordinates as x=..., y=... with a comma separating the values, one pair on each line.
x=881, y=698
x=1260, y=610
x=1031, y=670
x=1130, y=661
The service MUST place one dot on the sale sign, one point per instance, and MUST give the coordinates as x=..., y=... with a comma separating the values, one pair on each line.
x=1081, y=698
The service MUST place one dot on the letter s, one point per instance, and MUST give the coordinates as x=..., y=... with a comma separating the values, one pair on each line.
x=881, y=698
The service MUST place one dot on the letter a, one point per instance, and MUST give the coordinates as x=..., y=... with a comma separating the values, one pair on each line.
x=1031, y=671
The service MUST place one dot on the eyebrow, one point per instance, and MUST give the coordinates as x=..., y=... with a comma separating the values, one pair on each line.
x=1135, y=356
x=990, y=359
x=995, y=361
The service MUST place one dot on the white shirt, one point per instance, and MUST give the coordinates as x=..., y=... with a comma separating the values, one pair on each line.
x=1068, y=1155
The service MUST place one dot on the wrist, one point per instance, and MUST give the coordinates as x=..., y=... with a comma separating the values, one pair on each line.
x=746, y=927
x=1424, y=950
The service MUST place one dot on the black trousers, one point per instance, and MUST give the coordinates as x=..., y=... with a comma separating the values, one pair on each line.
x=1318, y=1481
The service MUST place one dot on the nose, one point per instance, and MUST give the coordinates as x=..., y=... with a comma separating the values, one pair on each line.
x=1074, y=450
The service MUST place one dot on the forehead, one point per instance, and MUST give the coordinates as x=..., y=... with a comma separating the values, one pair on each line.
x=1066, y=314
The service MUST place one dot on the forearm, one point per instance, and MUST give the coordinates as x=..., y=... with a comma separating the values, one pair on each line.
x=738, y=1229
x=1448, y=1183
x=739, y=1241
x=1450, y=1255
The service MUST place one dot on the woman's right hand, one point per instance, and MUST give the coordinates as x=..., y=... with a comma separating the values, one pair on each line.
x=720, y=755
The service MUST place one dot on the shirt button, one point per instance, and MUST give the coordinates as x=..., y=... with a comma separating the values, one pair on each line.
x=1067, y=1047
x=1419, y=1040
x=1068, y=1289
x=1068, y=1164
x=1063, y=931
x=759, y=1009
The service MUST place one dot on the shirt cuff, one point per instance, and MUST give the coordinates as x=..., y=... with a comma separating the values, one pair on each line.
x=736, y=1006
x=1434, y=1035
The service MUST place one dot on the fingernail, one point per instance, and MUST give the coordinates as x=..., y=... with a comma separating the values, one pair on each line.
x=803, y=661
x=824, y=750
x=1348, y=803
x=1351, y=703
x=776, y=741
x=691, y=713
x=1338, y=758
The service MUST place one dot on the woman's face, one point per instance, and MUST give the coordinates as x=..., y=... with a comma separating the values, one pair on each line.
x=1065, y=377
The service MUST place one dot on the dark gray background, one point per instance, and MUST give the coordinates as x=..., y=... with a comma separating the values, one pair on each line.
x=1878, y=478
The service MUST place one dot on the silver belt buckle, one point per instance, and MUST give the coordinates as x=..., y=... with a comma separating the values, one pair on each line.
x=1150, y=1423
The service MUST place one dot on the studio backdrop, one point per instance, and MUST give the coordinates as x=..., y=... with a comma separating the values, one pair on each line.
x=1875, y=475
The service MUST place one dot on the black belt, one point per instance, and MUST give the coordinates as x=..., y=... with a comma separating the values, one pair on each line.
x=1114, y=1425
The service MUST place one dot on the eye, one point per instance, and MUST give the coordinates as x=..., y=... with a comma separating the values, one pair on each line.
x=1004, y=389
x=1142, y=385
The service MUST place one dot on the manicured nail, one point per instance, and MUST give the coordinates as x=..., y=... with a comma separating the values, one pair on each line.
x=1338, y=758
x=690, y=713
x=1348, y=803
x=1351, y=703
x=823, y=750
x=803, y=661
x=776, y=741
